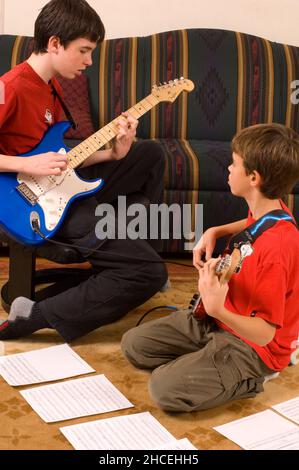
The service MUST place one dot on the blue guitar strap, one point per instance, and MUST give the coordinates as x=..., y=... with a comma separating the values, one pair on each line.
x=253, y=231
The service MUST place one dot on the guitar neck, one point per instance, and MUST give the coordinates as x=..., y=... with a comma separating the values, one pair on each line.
x=83, y=151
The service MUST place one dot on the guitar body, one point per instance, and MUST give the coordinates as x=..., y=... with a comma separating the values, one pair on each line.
x=225, y=268
x=44, y=198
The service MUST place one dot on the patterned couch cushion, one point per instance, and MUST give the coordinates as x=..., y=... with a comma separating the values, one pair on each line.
x=196, y=164
x=240, y=80
x=116, y=79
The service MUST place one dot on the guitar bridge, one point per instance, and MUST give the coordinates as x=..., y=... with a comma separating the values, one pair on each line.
x=27, y=194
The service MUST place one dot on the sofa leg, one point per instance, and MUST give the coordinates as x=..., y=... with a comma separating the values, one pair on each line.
x=21, y=275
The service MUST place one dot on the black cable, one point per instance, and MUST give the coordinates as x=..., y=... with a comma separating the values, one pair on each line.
x=169, y=307
x=111, y=255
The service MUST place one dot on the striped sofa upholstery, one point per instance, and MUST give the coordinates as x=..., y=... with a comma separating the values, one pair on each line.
x=239, y=79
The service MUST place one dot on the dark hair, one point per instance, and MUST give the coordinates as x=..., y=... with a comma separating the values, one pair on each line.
x=68, y=20
x=273, y=151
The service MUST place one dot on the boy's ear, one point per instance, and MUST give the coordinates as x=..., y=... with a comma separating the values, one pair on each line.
x=54, y=44
x=255, y=179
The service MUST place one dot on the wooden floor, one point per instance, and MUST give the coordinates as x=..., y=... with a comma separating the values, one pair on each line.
x=21, y=427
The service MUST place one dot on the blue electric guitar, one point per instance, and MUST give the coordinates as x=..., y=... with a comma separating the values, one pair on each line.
x=28, y=201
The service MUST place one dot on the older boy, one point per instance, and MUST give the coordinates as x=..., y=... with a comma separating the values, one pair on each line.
x=66, y=34
x=251, y=325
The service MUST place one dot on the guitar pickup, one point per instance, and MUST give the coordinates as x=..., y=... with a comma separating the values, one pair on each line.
x=27, y=194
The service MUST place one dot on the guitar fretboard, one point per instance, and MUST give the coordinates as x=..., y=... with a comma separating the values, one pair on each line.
x=81, y=152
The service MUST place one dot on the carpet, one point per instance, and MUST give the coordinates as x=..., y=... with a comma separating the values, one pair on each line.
x=22, y=428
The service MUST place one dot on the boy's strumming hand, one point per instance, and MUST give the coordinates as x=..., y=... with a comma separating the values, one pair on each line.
x=213, y=293
x=44, y=164
x=125, y=137
x=204, y=248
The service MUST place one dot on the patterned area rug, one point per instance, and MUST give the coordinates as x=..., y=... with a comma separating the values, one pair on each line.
x=21, y=427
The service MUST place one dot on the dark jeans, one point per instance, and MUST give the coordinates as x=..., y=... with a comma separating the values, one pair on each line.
x=117, y=284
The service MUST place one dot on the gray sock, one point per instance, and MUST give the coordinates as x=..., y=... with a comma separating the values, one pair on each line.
x=24, y=319
x=20, y=308
x=166, y=286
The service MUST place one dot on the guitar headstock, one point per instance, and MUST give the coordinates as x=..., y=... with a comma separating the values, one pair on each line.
x=171, y=90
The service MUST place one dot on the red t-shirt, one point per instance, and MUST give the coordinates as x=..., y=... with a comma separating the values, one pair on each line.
x=28, y=111
x=268, y=285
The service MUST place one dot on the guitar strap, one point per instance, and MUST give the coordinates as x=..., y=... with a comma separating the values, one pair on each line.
x=253, y=231
x=64, y=107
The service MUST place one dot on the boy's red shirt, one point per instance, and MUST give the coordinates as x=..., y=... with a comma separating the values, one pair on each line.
x=29, y=109
x=268, y=287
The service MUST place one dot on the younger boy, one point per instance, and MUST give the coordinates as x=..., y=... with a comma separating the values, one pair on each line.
x=251, y=325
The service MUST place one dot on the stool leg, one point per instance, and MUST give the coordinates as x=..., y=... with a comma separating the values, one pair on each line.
x=21, y=273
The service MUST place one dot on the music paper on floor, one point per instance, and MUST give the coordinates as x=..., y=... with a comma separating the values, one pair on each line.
x=42, y=365
x=262, y=431
x=289, y=409
x=180, y=444
x=75, y=398
x=140, y=431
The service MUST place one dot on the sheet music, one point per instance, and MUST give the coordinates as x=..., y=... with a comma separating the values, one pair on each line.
x=180, y=444
x=262, y=431
x=75, y=398
x=42, y=365
x=289, y=409
x=137, y=431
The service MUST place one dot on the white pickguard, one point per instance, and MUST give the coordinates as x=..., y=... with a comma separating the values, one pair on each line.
x=54, y=192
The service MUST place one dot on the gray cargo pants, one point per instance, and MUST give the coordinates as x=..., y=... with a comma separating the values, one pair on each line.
x=195, y=364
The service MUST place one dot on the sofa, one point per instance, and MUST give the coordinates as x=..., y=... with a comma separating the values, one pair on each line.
x=239, y=80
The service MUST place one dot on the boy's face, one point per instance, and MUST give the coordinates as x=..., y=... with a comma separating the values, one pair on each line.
x=75, y=58
x=238, y=181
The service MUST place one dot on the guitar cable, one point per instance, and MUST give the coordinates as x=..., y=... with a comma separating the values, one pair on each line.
x=111, y=256
x=160, y=307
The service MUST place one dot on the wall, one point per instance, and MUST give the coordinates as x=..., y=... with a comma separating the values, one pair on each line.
x=276, y=20
x=1, y=16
